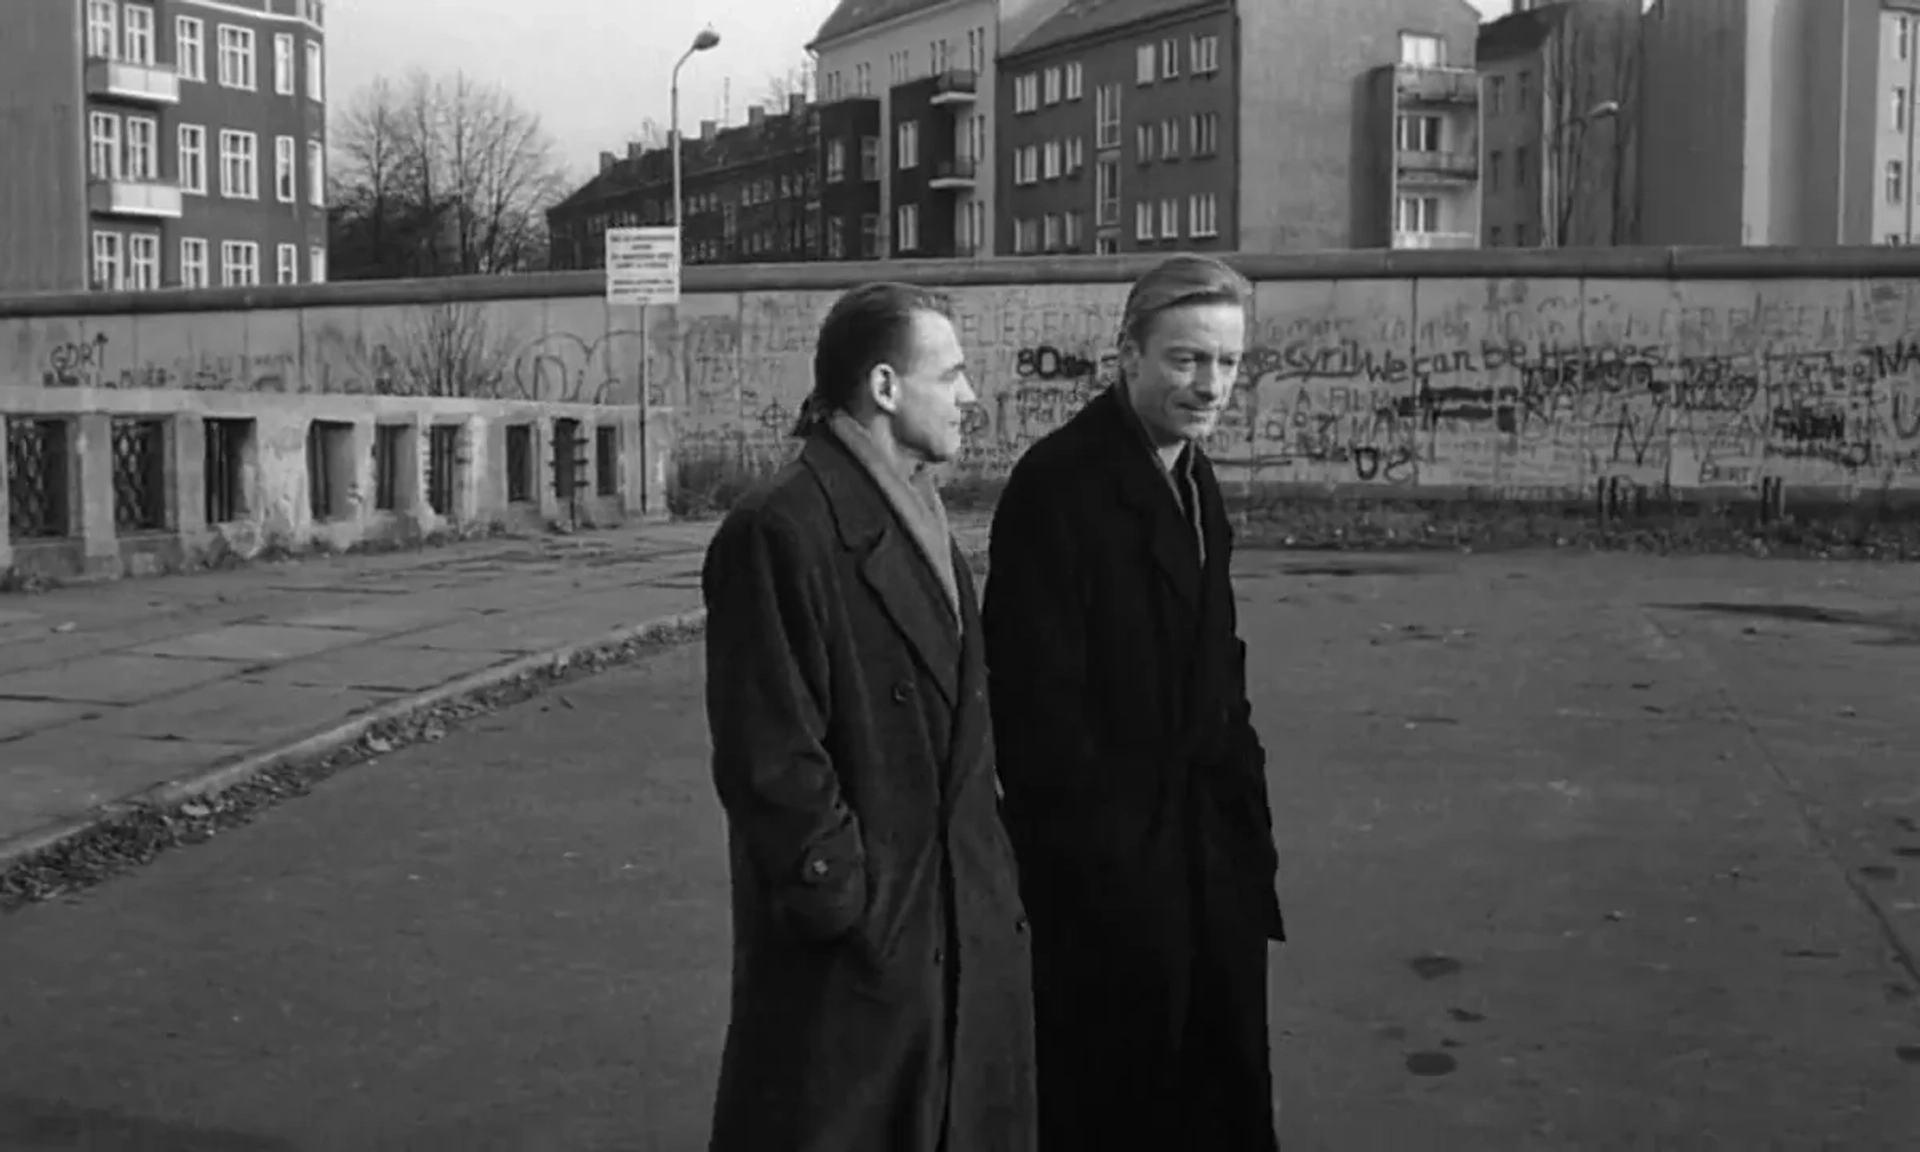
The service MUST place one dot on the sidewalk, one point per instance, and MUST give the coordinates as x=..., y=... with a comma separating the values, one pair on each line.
x=109, y=691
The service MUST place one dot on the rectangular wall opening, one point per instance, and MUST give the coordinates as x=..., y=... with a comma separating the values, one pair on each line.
x=443, y=455
x=519, y=463
x=39, y=492
x=228, y=451
x=389, y=464
x=329, y=469
x=139, y=446
x=606, y=459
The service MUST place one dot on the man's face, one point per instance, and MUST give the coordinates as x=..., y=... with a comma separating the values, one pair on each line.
x=1180, y=377
x=929, y=392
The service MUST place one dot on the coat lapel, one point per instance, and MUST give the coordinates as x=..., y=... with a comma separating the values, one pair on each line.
x=971, y=725
x=1169, y=536
x=890, y=562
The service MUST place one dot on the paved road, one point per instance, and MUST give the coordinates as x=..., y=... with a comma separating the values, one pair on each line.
x=1569, y=866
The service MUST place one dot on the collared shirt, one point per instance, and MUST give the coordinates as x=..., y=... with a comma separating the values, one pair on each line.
x=1179, y=476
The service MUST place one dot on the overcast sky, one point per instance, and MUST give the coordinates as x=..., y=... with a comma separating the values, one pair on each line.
x=592, y=69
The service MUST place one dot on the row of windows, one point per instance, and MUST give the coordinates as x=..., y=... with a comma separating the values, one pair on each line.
x=130, y=262
x=1154, y=63
x=942, y=57
x=125, y=32
x=1160, y=219
x=128, y=148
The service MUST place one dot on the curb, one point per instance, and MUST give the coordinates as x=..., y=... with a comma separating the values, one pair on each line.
x=223, y=776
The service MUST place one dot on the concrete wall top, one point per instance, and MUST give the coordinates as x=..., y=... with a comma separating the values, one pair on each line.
x=1749, y=263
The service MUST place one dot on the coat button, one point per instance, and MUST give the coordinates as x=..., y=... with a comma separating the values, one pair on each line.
x=903, y=692
x=817, y=869
x=939, y=957
x=1020, y=925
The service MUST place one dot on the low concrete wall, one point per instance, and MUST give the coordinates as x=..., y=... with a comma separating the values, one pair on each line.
x=1517, y=374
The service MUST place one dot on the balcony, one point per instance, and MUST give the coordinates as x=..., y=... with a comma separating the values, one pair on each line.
x=956, y=87
x=123, y=197
x=951, y=174
x=140, y=83
x=1422, y=167
x=1435, y=240
x=1416, y=85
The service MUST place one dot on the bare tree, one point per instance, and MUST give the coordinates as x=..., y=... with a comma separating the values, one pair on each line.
x=1592, y=110
x=650, y=135
x=781, y=87
x=442, y=176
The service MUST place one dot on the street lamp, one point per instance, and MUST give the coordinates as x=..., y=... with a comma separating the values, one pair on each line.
x=705, y=40
x=1561, y=213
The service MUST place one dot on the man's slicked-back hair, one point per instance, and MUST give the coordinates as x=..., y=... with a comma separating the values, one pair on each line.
x=868, y=326
x=1179, y=282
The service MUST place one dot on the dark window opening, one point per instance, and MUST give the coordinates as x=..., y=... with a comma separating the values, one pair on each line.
x=567, y=464
x=139, y=474
x=389, y=458
x=443, y=447
x=37, y=478
x=606, y=459
x=329, y=468
x=223, y=477
x=519, y=463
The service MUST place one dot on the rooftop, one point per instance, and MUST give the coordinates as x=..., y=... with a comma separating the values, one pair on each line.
x=1083, y=18
x=851, y=16
x=1517, y=33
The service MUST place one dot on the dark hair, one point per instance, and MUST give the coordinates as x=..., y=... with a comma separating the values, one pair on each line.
x=1178, y=282
x=869, y=326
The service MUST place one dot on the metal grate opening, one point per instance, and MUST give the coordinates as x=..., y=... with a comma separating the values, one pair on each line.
x=606, y=460
x=37, y=470
x=224, y=474
x=519, y=463
x=139, y=475
x=389, y=449
x=443, y=447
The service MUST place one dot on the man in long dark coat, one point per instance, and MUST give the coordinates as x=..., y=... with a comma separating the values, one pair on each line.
x=881, y=981
x=1136, y=786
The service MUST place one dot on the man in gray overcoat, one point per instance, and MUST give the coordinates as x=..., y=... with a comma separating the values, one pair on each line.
x=881, y=984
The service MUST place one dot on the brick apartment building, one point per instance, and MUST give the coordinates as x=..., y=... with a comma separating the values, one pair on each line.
x=752, y=194
x=162, y=143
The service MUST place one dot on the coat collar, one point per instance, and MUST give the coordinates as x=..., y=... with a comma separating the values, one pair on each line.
x=1143, y=487
x=889, y=560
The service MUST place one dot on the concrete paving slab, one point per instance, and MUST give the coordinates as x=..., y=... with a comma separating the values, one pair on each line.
x=253, y=643
x=119, y=678
x=375, y=616
x=387, y=666
x=53, y=776
x=238, y=712
x=21, y=716
x=536, y=630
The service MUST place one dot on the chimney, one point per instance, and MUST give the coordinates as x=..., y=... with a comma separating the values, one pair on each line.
x=606, y=161
x=796, y=103
x=635, y=149
x=755, y=114
x=707, y=129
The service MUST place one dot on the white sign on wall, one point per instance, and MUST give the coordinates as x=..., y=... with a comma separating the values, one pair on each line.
x=643, y=265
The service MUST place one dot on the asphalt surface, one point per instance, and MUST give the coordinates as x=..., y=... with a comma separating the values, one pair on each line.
x=1571, y=861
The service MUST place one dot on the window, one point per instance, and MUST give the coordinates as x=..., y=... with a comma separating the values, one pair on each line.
x=389, y=459
x=869, y=235
x=862, y=79
x=1143, y=220
x=239, y=165
x=1203, y=215
x=907, y=144
x=1521, y=166
x=1493, y=236
x=330, y=468
x=143, y=148
x=606, y=460
x=190, y=48
x=193, y=159
x=103, y=145
x=1051, y=86
x=519, y=463
x=1899, y=109
x=224, y=469
x=283, y=64
x=239, y=263
x=1206, y=133
x=1523, y=91
x=977, y=50
x=139, y=34
x=1495, y=160
x=1026, y=236
x=1076, y=154
x=1170, y=139
x=106, y=262
x=1902, y=36
x=1076, y=231
x=1106, y=116
x=1026, y=164
x=1106, y=183
x=143, y=261
x=1076, y=79
x=907, y=228
x=1143, y=64
x=1106, y=245
x=1420, y=133
x=1896, y=182
x=316, y=265
x=1205, y=51
x=139, y=454
x=103, y=29
x=1050, y=232
x=869, y=158
x=836, y=161
x=1143, y=143
x=316, y=174
x=1496, y=95
x=1169, y=218
x=1051, y=159
x=193, y=262
x=287, y=264
x=1419, y=214
x=1169, y=59
x=443, y=445
x=1520, y=235
x=317, y=73
x=1422, y=51
x=1026, y=94
x=236, y=58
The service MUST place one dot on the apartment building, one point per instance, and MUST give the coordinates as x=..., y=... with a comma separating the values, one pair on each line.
x=1778, y=122
x=162, y=143
x=1561, y=114
x=1120, y=130
x=906, y=127
x=751, y=194
x=1420, y=182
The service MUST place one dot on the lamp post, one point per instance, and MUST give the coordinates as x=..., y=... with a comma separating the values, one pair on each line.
x=705, y=40
x=1559, y=215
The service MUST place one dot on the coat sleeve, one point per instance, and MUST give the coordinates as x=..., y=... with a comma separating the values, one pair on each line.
x=768, y=700
x=1034, y=621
